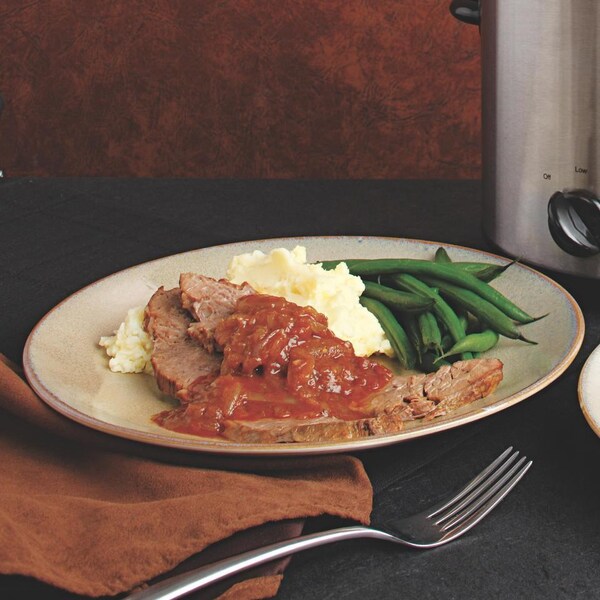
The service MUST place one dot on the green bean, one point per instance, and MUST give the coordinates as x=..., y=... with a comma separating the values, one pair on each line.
x=484, y=271
x=441, y=256
x=431, y=336
x=444, y=272
x=474, y=342
x=441, y=308
x=410, y=322
x=447, y=342
x=396, y=299
x=394, y=332
x=485, y=311
x=329, y=265
x=463, y=317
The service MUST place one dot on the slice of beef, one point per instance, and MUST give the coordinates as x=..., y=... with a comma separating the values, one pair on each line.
x=209, y=301
x=313, y=430
x=179, y=361
x=442, y=391
x=462, y=383
x=405, y=398
x=403, y=393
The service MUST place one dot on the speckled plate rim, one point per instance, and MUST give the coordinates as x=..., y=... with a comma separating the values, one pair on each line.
x=203, y=445
x=588, y=390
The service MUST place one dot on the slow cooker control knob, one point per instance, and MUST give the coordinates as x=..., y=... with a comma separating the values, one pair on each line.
x=574, y=222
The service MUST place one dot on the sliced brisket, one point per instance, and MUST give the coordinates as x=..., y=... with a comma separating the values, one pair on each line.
x=462, y=383
x=178, y=360
x=314, y=430
x=404, y=399
x=209, y=301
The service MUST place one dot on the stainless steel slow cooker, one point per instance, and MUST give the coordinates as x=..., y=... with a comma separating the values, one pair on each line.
x=541, y=128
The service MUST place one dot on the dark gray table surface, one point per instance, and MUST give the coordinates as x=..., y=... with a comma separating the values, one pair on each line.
x=57, y=235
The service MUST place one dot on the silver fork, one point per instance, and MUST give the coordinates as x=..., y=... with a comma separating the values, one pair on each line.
x=433, y=527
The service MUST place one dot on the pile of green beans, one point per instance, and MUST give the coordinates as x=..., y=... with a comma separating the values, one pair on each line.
x=437, y=311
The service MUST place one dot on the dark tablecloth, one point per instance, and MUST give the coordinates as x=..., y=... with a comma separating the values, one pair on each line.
x=57, y=235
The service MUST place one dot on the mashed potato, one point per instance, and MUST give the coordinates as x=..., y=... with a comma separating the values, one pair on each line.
x=130, y=348
x=333, y=293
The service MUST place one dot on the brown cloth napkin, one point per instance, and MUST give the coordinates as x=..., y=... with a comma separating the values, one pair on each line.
x=97, y=515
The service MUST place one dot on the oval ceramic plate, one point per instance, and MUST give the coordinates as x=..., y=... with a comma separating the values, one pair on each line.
x=589, y=390
x=68, y=370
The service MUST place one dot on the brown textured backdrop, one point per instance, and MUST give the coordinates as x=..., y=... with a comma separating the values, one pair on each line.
x=238, y=88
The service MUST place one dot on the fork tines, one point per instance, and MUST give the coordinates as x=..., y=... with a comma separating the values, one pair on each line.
x=481, y=494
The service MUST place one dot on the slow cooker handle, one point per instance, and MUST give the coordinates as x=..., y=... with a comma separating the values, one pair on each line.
x=467, y=11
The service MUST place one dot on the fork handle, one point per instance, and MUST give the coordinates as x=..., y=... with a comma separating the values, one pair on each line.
x=180, y=585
